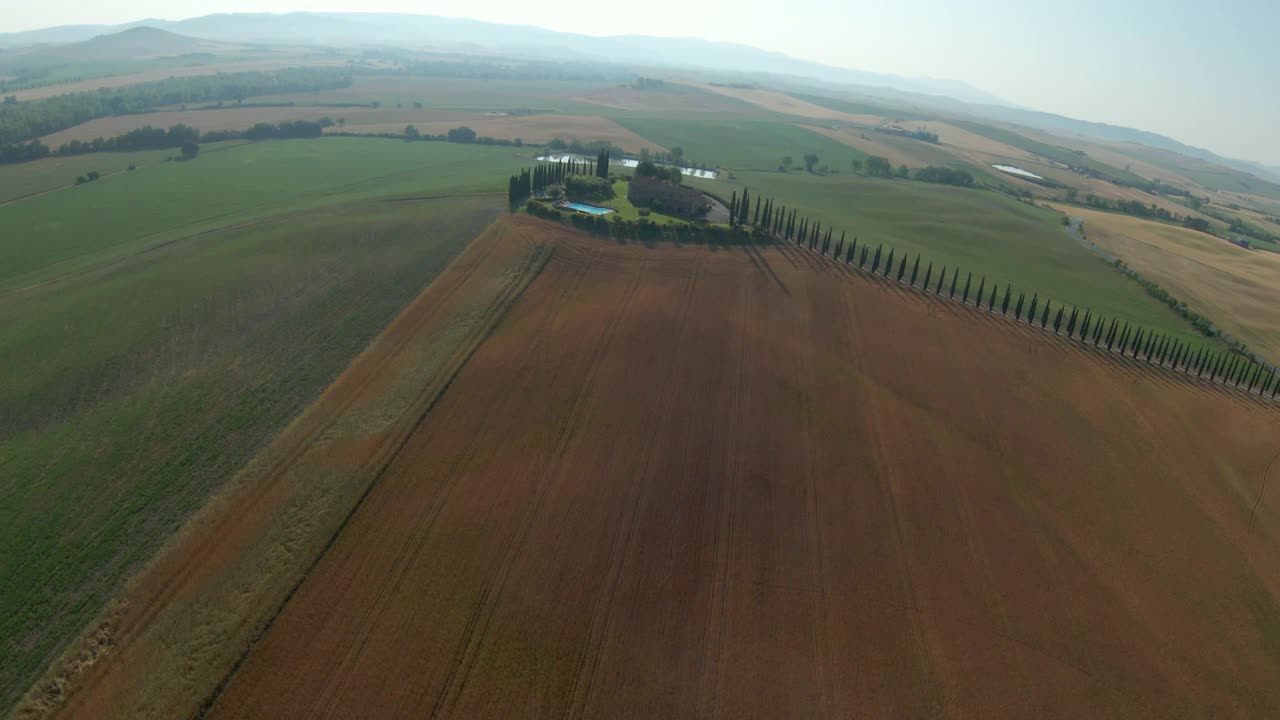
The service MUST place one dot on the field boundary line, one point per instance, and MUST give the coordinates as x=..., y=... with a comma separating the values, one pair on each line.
x=538, y=260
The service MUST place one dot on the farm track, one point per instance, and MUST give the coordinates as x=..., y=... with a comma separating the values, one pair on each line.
x=745, y=482
x=228, y=530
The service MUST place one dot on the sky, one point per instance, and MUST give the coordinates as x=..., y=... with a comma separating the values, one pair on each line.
x=1202, y=73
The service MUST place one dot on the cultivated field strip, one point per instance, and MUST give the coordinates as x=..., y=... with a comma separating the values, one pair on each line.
x=708, y=482
x=187, y=619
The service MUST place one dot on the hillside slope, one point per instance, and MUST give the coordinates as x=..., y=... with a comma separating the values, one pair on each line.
x=708, y=482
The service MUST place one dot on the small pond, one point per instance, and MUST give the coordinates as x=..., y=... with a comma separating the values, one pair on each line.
x=1017, y=171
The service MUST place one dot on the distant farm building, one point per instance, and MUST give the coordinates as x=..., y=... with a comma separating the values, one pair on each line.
x=666, y=197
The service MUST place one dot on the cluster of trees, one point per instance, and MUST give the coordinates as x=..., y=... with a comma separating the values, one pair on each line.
x=646, y=230
x=644, y=83
x=1199, y=322
x=879, y=167
x=535, y=181
x=1136, y=208
x=22, y=121
x=648, y=169
x=587, y=187
x=602, y=163
x=88, y=177
x=1230, y=367
x=579, y=147
x=918, y=134
x=944, y=175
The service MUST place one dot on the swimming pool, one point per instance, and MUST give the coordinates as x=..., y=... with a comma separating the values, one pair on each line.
x=588, y=209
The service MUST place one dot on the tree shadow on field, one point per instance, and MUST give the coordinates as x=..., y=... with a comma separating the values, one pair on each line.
x=761, y=263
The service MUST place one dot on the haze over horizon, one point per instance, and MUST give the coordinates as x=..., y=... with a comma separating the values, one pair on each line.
x=1166, y=67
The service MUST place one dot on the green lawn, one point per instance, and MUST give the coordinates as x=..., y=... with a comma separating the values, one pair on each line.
x=132, y=392
x=740, y=144
x=979, y=231
x=65, y=231
x=627, y=211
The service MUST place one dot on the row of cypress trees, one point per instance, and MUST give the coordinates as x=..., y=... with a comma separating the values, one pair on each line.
x=534, y=181
x=1084, y=326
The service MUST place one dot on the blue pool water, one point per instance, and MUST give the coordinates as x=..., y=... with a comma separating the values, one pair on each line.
x=589, y=209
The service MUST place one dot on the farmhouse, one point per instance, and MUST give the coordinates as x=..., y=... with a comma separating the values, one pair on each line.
x=665, y=196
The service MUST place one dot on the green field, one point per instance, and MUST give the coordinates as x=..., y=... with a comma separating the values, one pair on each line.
x=132, y=392
x=979, y=231
x=24, y=179
x=1056, y=153
x=71, y=229
x=740, y=144
x=445, y=93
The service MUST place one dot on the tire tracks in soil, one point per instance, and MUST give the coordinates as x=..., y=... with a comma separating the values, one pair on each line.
x=477, y=628
x=322, y=705
x=718, y=605
x=602, y=611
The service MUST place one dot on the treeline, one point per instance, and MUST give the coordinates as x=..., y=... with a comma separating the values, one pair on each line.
x=534, y=181
x=944, y=175
x=22, y=121
x=918, y=134
x=1230, y=367
x=1140, y=209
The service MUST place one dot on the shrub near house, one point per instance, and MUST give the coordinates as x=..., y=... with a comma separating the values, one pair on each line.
x=587, y=187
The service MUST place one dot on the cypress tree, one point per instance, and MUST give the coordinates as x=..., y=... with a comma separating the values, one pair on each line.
x=902, y=267
x=941, y=277
x=839, y=251
x=1097, y=331
x=862, y=261
x=1044, y=318
x=1257, y=373
x=755, y=220
x=1017, y=312
x=733, y=210
x=1214, y=366
x=1071, y=322
x=955, y=276
x=1124, y=338
x=928, y=275
x=915, y=270
x=967, y=282
x=1084, y=325
x=1031, y=312
x=1004, y=306
x=991, y=301
x=888, y=266
x=849, y=253
x=813, y=235
x=1111, y=334
x=744, y=207
x=1199, y=361
x=875, y=263
x=1151, y=339
x=1137, y=343
x=982, y=289
x=1057, y=319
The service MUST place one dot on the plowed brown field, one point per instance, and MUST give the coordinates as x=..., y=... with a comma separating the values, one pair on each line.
x=695, y=482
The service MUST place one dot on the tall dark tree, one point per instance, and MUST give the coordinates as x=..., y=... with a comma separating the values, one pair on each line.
x=968, y=282
x=1111, y=334
x=928, y=275
x=1057, y=319
x=744, y=207
x=1004, y=304
x=1031, y=312
x=1017, y=311
x=875, y=263
x=915, y=270
x=942, y=277
x=853, y=249
x=982, y=287
x=902, y=267
x=888, y=265
x=756, y=219
x=1071, y=322
x=991, y=301
x=733, y=209
x=955, y=276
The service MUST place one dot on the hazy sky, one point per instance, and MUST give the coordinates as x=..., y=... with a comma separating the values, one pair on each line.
x=1204, y=73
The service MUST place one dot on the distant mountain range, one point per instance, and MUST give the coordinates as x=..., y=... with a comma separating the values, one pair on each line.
x=473, y=36
x=426, y=31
